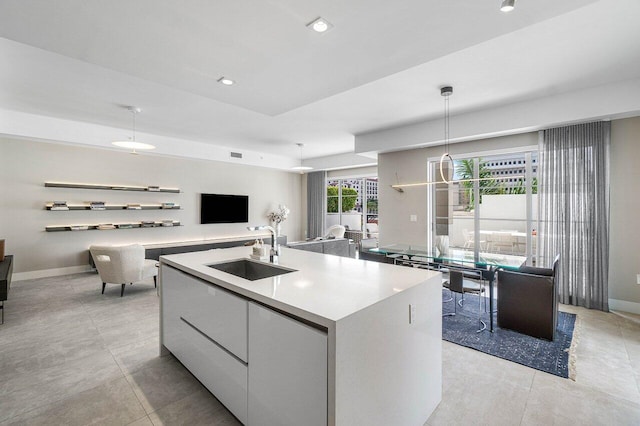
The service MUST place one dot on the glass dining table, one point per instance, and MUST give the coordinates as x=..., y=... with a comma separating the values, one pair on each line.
x=485, y=263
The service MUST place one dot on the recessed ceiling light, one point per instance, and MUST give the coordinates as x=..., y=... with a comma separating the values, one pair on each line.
x=226, y=81
x=507, y=5
x=320, y=25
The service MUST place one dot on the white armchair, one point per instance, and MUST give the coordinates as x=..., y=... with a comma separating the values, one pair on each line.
x=122, y=265
x=335, y=231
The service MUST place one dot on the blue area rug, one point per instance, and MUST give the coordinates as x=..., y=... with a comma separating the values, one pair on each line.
x=550, y=357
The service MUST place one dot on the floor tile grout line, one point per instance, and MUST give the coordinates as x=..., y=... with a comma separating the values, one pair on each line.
x=128, y=372
x=626, y=349
x=129, y=344
x=127, y=378
x=173, y=402
x=136, y=395
x=526, y=402
x=137, y=420
x=58, y=400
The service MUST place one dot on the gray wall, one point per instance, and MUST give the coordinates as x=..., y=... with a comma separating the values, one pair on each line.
x=410, y=166
x=624, y=264
x=624, y=250
x=26, y=165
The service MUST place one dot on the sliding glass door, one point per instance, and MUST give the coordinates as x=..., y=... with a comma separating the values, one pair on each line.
x=491, y=205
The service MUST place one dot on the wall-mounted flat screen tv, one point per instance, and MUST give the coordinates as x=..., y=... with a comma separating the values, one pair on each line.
x=222, y=208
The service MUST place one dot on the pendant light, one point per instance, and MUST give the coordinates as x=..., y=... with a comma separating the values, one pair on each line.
x=301, y=168
x=446, y=91
x=508, y=5
x=132, y=144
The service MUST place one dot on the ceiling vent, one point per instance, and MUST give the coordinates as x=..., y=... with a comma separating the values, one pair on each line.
x=236, y=155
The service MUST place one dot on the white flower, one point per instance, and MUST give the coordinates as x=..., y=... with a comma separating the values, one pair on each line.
x=280, y=215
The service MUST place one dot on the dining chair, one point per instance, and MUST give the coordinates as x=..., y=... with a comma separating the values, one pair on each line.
x=457, y=284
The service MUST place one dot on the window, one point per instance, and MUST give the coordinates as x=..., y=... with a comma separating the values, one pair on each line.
x=352, y=202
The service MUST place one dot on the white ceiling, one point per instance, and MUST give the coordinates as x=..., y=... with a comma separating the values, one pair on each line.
x=380, y=66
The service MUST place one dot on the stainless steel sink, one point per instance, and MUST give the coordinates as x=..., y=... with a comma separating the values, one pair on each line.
x=250, y=270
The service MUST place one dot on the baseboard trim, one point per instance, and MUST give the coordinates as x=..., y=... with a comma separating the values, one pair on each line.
x=624, y=306
x=44, y=273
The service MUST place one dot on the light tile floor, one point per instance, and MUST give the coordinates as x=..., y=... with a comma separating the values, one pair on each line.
x=70, y=355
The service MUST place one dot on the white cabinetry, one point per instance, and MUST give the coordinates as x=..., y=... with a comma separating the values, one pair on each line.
x=206, y=329
x=287, y=370
x=269, y=370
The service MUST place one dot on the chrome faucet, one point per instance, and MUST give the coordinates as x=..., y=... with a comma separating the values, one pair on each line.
x=275, y=247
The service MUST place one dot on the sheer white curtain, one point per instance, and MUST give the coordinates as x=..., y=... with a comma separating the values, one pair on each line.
x=574, y=210
x=316, y=203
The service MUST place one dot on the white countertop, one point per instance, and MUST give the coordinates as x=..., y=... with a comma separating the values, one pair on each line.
x=323, y=290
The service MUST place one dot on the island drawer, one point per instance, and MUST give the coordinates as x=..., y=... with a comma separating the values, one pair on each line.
x=217, y=313
x=223, y=374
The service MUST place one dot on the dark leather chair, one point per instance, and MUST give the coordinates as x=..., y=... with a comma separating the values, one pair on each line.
x=528, y=300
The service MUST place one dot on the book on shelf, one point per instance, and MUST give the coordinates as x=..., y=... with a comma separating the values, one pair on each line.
x=97, y=205
x=147, y=224
x=79, y=227
x=134, y=206
x=59, y=205
x=168, y=205
x=153, y=188
x=105, y=226
x=125, y=225
x=167, y=223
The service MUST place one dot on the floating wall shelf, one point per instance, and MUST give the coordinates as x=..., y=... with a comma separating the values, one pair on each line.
x=87, y=206
x=110, y=187
x=110, y=226
x=101, y=205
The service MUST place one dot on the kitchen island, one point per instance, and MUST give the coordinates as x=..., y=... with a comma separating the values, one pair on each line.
x=327, y=340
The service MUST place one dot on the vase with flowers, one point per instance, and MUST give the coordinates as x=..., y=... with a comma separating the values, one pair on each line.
x=278, y=217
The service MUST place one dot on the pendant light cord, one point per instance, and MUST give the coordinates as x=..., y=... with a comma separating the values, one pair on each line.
x=134, y=124
x=446, y=124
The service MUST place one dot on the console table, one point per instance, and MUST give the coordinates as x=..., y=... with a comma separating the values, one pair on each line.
x=6, y=269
